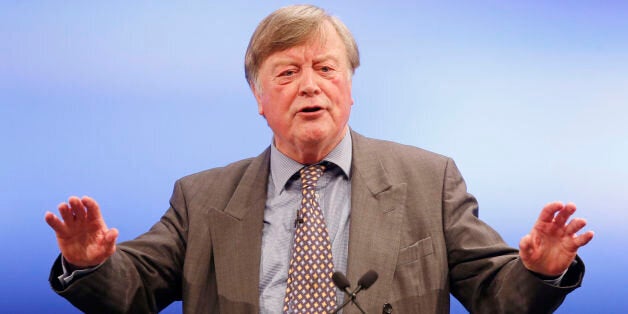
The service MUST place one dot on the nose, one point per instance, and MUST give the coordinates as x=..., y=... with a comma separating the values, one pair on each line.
x=308, y=85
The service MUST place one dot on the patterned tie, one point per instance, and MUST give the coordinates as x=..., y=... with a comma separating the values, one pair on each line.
x=310, y=288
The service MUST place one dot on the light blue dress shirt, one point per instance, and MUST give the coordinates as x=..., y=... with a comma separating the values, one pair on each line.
x=283, y=199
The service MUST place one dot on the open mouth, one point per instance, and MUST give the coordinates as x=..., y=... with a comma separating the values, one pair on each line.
x=311, y=109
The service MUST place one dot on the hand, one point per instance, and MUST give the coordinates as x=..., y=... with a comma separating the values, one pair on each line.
x=552, y=245
x=82, y=236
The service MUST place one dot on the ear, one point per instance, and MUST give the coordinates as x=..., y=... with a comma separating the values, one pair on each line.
x=350, y=81
x=258, y=98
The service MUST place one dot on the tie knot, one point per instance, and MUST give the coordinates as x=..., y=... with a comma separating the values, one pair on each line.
x=311, y=174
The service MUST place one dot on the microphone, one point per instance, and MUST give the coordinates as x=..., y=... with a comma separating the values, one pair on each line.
x=365, y=282
x=340, y=281
x=343, y=284
x=299, y=219
x=367, y=279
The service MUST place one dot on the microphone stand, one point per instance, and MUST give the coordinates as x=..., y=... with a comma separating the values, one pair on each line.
x=364, y=283
x=346, y=290
x=352, y=296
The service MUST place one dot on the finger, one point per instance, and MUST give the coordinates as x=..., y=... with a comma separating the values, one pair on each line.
x=78, y=210
x=66, y=213
x=575, y=225
x=547, y=213
x=564, y=214
x=93, y=209
x=584, y=238
x=54, y=222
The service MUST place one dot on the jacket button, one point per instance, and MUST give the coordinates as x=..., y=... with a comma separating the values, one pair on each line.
x=387, y=308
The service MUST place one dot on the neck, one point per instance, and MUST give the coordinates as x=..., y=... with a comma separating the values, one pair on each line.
x=311, y=153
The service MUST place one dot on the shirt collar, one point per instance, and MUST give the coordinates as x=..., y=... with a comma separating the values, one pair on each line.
x=282, y=167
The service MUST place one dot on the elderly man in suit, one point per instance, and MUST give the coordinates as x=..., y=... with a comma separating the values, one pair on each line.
x=231, y=241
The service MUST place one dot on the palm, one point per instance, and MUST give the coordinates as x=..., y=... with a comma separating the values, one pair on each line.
x=82, y=236
x=552, y=244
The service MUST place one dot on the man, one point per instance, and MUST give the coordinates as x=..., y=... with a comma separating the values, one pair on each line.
x=231, y=240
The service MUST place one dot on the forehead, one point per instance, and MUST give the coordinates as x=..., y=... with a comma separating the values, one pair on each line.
x=324, y=43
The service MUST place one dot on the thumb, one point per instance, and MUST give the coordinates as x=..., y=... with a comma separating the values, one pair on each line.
x=111, y=236
x=110, y=240
x=525, y=247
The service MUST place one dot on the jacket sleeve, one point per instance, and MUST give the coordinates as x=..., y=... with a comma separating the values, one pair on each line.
x=486, y=275
x=142, y=276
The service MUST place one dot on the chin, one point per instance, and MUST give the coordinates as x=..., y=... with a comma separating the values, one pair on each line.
x=315, y=135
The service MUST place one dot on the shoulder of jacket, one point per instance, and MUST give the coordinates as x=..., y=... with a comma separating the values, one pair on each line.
x=393, y=151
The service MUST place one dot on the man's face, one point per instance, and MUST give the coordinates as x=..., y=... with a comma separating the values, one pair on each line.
x=304, y=93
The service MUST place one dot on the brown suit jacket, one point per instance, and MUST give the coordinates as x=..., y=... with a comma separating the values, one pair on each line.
x=412, y=221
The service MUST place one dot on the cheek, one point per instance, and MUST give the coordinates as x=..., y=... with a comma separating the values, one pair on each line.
x=276, y=105
x=342, y=93
x=281, y=95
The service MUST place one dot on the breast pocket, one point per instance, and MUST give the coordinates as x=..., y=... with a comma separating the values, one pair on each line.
x=419, y=272
x=415, y=251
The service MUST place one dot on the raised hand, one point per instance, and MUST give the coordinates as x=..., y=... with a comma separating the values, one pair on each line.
x=552, y=244
x=82, y=235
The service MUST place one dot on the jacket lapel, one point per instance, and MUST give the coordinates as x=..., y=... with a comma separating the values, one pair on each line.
x=376, y=216
x=237, y=239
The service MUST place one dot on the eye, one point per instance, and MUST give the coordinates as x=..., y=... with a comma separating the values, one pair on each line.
x=325, y=69
x=287, y=73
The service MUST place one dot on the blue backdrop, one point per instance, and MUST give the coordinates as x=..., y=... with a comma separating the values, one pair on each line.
x=118, y=99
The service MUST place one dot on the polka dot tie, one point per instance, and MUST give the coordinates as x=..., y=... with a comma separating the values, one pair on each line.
x=310, y=288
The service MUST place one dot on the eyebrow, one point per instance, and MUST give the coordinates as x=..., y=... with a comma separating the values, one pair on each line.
x=326, y=57
x=284, y=61
x=288, y=61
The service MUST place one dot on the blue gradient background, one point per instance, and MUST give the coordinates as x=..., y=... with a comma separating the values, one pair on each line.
x=119, y=99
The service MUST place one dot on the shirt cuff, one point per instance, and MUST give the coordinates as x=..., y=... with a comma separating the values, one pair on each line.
x=554, y=281
x=67, y=277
